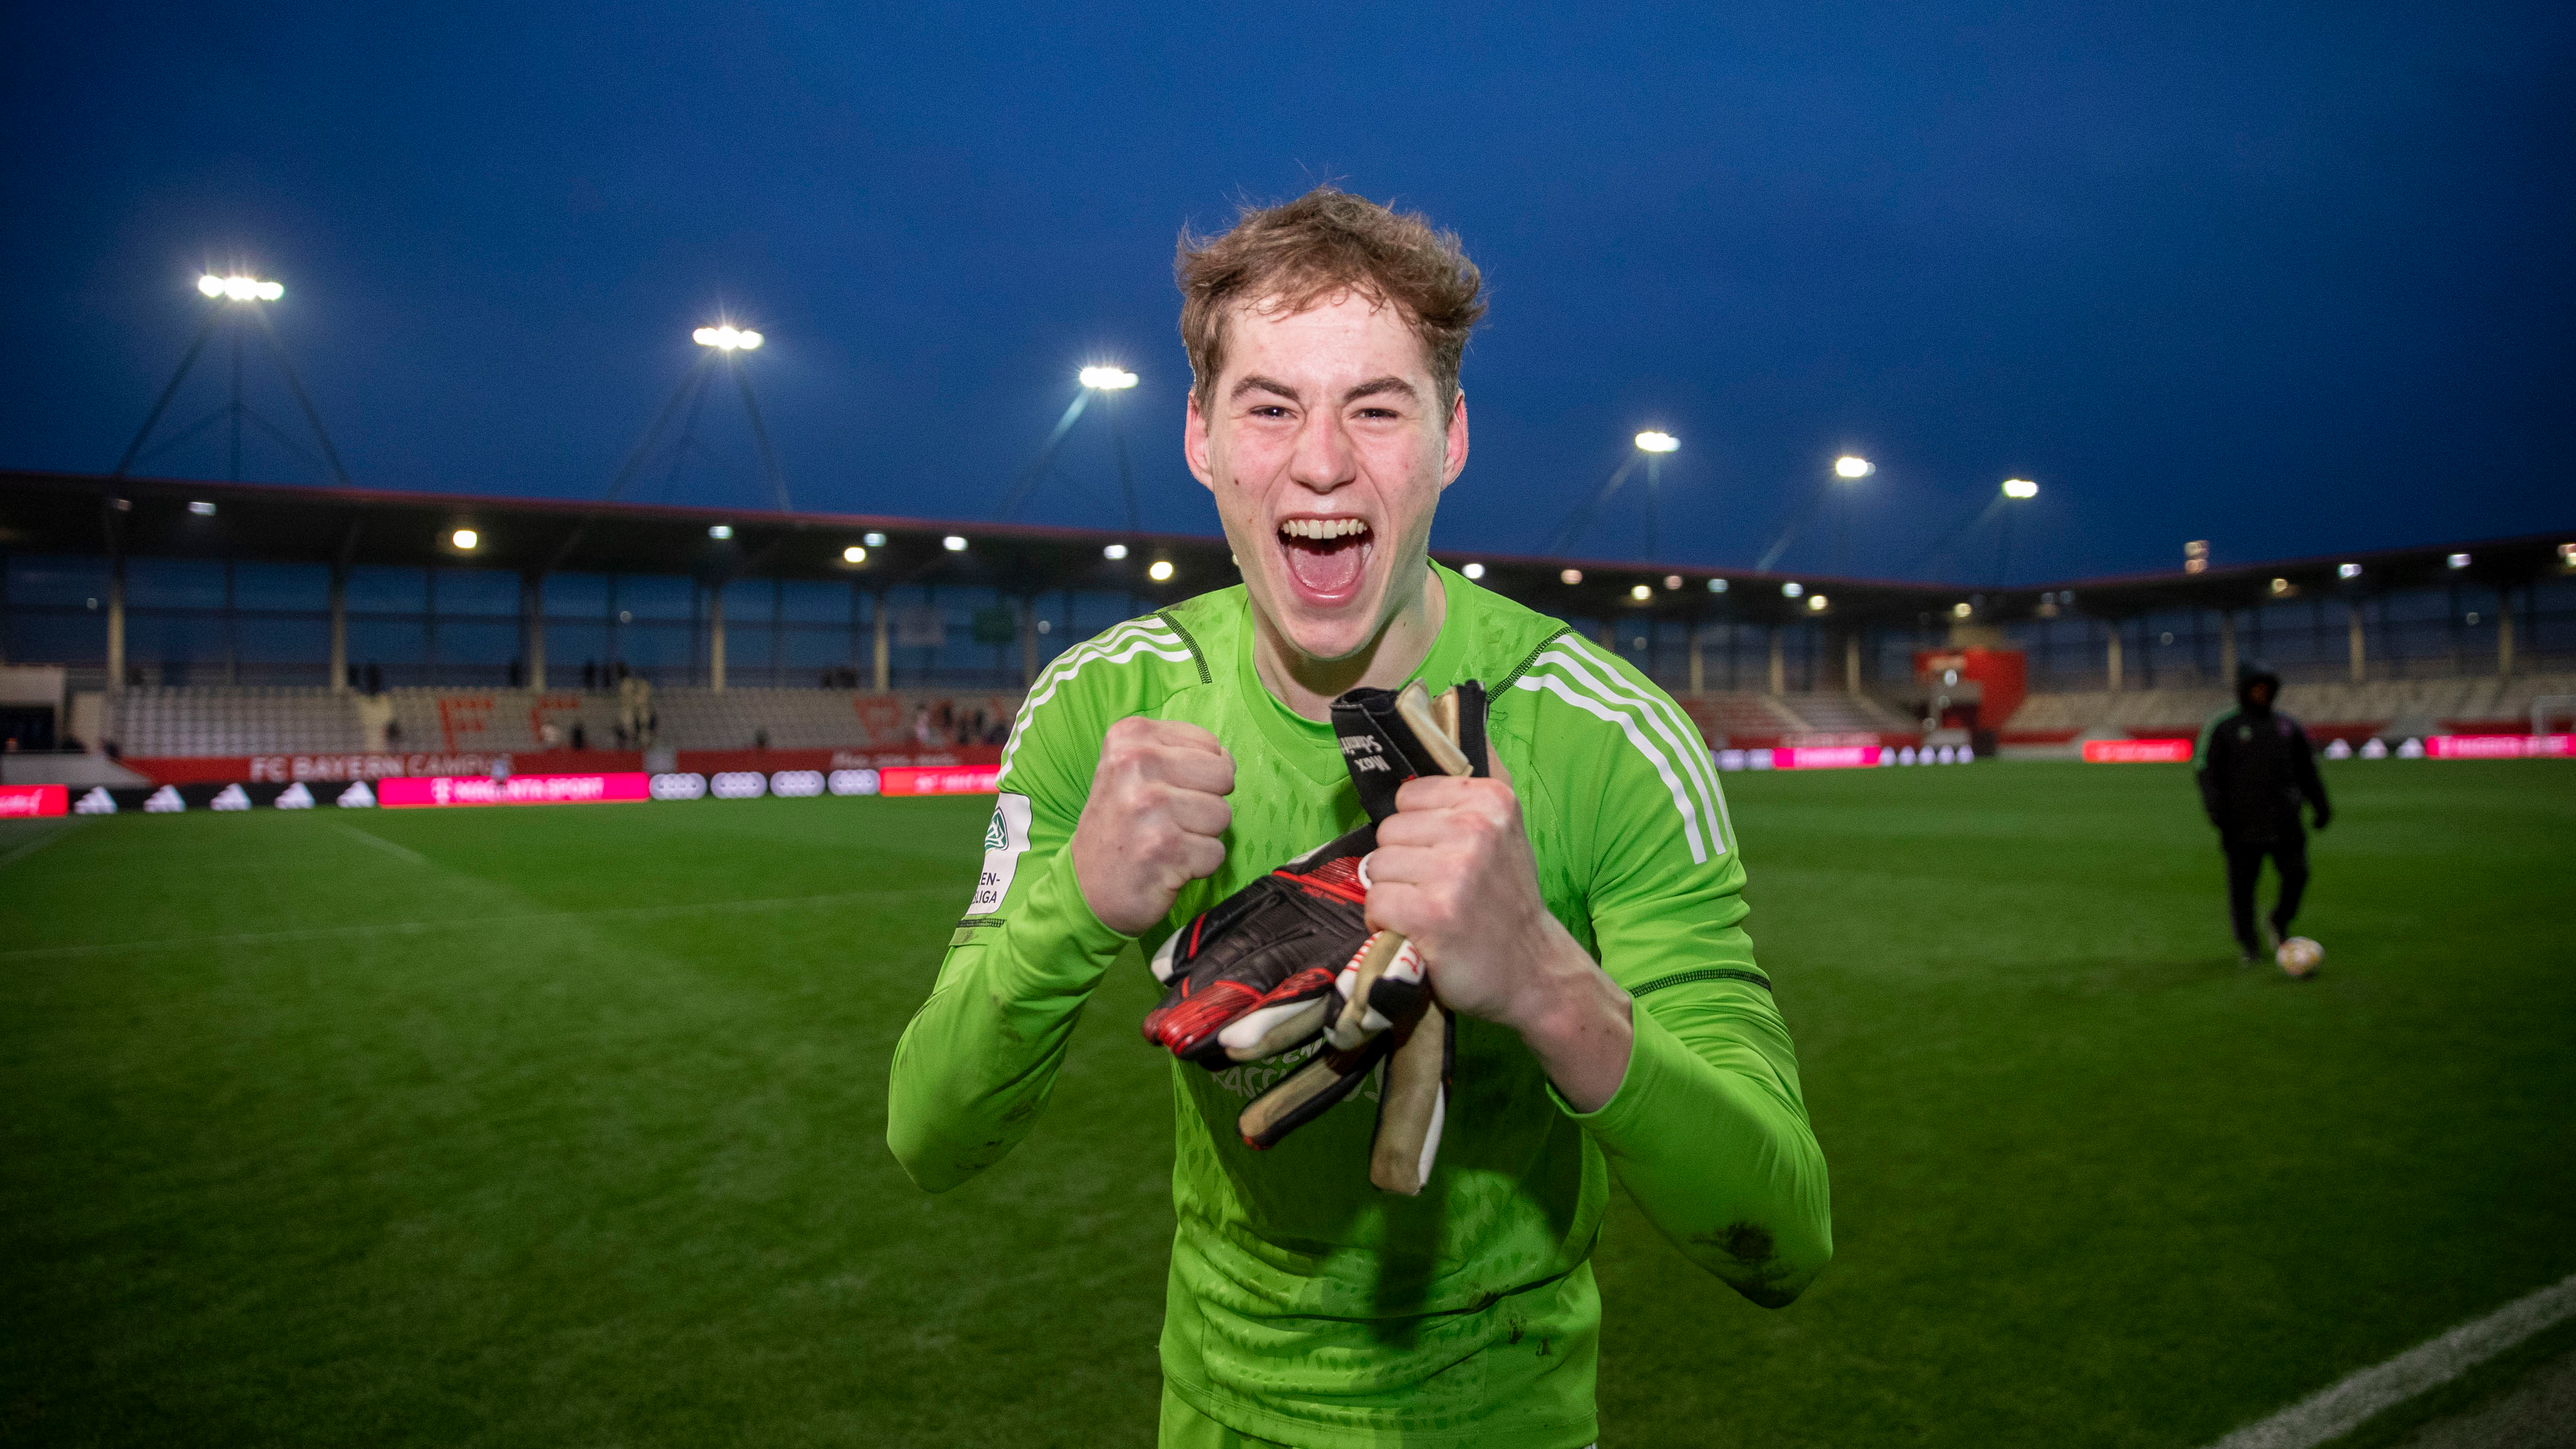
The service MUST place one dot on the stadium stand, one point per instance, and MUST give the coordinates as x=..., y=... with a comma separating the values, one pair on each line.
x=179, y=721
x=236, y=720
x=2410, y=706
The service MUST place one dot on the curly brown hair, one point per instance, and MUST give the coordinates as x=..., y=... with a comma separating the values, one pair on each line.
x=1325, y=243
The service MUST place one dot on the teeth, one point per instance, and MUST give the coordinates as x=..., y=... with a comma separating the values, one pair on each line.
x=1321, y=529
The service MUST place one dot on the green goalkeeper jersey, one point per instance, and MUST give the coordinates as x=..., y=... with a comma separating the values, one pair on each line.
x=1304, y=1305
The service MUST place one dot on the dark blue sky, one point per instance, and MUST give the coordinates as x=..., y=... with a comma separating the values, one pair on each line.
x=2293, y=279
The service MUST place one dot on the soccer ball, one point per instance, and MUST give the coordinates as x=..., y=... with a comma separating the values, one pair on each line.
x=2300, y=956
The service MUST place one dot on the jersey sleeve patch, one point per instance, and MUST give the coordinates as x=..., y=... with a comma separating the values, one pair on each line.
x=1005, y=841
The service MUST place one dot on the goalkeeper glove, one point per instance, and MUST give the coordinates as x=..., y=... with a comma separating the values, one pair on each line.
x=1276, y=965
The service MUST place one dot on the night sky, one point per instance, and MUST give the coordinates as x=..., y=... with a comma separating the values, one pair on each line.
x=2291, y=279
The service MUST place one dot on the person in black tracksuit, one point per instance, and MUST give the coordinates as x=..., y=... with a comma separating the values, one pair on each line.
x=2255, y=765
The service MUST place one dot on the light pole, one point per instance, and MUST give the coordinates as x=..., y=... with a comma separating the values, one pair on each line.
x=724, y=344
x=234, y=299
x=1850, y=468
x=1654, y=444
x=1109, y=382
x=1105, y=380
x=2016, y=489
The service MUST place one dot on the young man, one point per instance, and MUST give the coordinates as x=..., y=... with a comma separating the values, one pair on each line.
x=1579, y=911
x=2254, y=767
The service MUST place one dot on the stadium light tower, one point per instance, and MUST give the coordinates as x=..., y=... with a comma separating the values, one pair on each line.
x=1654, y=444
x=1105, y=381
x=725, y=344
x=1650, y=448
x=2019, y=490
x=233, y=301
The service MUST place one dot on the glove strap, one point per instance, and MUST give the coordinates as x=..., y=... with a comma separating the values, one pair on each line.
x=1381, y=751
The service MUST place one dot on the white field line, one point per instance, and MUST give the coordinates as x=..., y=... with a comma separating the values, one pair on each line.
x=2346, y=1406
x=462, y=922
x=379, y=842
x=37, y=844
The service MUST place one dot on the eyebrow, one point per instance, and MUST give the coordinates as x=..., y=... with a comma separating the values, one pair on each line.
x=1374, y=387
x=1378, y=386
x=1255, y=382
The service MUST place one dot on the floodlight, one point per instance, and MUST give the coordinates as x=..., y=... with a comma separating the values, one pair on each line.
x=1655, y=442
x=239, y=288
x=1108, y=379
x=2280, y=586
x=2020, y=488
x=1717, y=586
x=2459, y=560
x=720, y=531
x=1961, y=610
x=854, y=555
x=1853, y=466
x=953, y=543
x=873, y=540
x=1114, y=551
x=1641, y=593
x=202, y=509
x=465, y=538
x=1816, y=602
x=1792, y=590
x=1473, y=571
x=1570, y=576
x=727, y=338
x=1160, y=571
x=2347, y=571
x=1672, y=581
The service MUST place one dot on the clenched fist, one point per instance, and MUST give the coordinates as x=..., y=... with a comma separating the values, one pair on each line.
x=1454, y=872
x=1154, y=822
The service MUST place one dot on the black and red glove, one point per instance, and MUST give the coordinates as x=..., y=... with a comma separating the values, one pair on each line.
x=1267, y=970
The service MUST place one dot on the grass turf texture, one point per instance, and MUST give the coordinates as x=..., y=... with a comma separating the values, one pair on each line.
x=563, y=1125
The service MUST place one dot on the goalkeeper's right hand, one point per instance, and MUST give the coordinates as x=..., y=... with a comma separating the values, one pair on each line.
x=1266, y=970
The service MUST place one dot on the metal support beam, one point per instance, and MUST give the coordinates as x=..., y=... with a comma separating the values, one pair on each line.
x=2227, y=647
x=1698, y=663
x=1028, y=643
x=339, y=628
x=1851, y=662
x=2360, y=663
x=715, y=639
x=1779, y=664
x=880, y=656
x=116, y=627
x=2111, y=657
x=533, y=590
x=2504, y=633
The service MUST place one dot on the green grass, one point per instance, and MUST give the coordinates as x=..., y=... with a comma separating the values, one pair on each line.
x=564, y=1126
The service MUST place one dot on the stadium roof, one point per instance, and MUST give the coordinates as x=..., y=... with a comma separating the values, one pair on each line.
x=77, y=513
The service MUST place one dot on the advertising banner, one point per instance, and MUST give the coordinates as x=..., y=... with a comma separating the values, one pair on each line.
x=963, y=780
x=517, y=790
x=2137, y=752
x=19, y=802
x=1823, y=757
x=2500, y=747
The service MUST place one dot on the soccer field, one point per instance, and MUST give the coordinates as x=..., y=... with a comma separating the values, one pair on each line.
x=563, y=1125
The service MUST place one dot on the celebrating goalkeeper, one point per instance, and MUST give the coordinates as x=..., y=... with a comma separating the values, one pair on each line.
x=1446, y=1012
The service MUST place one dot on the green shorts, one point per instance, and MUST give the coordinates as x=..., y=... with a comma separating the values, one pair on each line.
x=1185, y=1427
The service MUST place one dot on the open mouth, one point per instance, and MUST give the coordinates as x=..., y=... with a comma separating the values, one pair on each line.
x=1327, y=557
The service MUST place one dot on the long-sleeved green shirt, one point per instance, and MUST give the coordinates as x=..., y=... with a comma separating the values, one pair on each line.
x=1304, y=1305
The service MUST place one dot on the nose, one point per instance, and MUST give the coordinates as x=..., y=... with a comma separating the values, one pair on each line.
x=1324, y=460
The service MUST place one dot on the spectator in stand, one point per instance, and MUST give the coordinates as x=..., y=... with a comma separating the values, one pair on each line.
x=2255, y=766
x=760, y=738
x=580, y=736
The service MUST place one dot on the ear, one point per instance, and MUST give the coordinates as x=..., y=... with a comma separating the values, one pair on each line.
x=1194, y=444
x=1454, y=450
